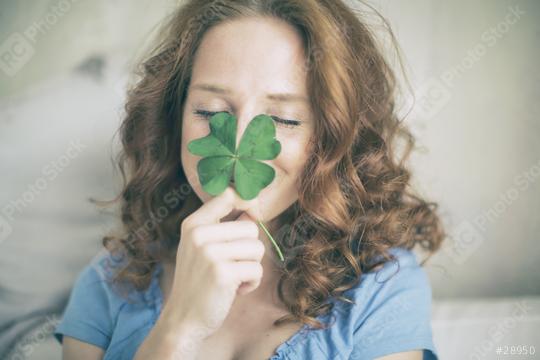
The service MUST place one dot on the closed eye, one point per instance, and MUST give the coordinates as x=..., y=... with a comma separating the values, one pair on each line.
x=286, y=122
x=290, y=123
x=207, y=114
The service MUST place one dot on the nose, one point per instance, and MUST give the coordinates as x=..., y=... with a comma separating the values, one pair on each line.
x=242, y=121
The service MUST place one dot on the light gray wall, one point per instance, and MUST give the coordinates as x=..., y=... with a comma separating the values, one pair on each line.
x=59, y=34
x=476, y=115
x=477, y=118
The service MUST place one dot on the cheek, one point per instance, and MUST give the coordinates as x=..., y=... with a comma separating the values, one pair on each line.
x=293, y=155
x=189, y=161
x=192, y=129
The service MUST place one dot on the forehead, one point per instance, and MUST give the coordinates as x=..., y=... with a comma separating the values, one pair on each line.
x=252, y=56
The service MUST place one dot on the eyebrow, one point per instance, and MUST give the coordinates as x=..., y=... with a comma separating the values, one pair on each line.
x=283, y=97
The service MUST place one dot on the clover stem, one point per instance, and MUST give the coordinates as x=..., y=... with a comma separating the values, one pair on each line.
x=271, y=239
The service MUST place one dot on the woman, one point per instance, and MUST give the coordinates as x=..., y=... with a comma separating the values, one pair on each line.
x=191, y=275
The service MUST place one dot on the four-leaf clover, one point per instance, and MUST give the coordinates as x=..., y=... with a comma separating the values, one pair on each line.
x=222, y=161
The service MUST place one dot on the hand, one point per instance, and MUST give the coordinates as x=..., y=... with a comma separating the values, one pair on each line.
x=215, y=261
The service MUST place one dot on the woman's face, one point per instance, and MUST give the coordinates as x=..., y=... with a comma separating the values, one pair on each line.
x=248, y=67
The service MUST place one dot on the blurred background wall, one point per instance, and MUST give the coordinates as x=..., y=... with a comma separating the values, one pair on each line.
x=472, y=67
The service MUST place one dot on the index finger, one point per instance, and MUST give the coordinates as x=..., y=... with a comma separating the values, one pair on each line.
x=216, y=208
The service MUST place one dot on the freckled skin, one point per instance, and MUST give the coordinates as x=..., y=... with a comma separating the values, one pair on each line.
x=252, y=57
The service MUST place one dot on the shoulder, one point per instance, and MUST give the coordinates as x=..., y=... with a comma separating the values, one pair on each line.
x=404, y=273
x=402, y=276
x=392, y=310
x=93, y=304
x=96, y=280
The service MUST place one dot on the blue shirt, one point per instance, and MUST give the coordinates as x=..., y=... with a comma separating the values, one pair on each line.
x=392, y=314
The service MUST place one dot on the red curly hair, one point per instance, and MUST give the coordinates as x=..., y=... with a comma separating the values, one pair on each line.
x=355, y=201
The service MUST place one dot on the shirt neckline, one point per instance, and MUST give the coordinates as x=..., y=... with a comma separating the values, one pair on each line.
x=283, y=349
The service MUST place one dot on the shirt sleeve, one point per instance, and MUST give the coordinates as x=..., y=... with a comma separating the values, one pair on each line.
x=87, y=314
x=398, y=314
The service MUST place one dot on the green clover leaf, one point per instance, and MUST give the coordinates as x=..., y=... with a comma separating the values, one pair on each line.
x=222, y=161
